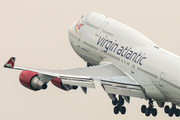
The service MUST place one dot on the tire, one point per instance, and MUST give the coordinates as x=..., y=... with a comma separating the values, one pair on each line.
x=120, y=97
x=166, y=109
x=116, y=110
x=75, y=87
x=154, y=112
x=123, y=110
x=170, y=113
x=121, y=101
x=147, y=112
x=115, y=102
x=143, y=109
x=177, y=112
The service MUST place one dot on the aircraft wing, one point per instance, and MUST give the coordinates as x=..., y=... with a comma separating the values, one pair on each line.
x=112, y=78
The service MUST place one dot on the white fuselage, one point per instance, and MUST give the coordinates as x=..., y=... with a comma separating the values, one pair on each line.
x=97, y=38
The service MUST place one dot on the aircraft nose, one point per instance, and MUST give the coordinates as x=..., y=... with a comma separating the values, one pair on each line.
x=72, y=33
x=72, y=29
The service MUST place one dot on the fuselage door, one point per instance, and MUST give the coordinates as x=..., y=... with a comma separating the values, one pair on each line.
x=79, y=41
x=133, y=68
x=101, y=28
x=161, y=79
x=102, y=53
x=97, y=35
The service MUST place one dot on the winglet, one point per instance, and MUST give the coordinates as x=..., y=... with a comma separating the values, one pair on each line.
x=10, y=63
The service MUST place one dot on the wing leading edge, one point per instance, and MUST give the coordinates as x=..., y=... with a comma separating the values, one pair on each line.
x=113, y=79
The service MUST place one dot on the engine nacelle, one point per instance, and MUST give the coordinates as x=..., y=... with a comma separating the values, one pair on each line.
x=31, y=80
x=58, y=83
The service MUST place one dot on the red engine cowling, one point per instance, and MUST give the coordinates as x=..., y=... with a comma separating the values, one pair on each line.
x=58, y=83
x=31, y=81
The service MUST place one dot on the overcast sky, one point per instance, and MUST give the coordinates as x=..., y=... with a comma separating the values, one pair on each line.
x=35, y=32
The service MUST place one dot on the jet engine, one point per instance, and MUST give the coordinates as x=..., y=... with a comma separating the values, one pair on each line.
x=58, y=83
x=31, y=80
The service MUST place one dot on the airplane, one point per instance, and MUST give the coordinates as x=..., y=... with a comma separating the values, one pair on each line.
x=125, y=62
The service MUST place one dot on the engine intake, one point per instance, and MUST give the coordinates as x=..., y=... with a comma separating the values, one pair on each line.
x=31, y=80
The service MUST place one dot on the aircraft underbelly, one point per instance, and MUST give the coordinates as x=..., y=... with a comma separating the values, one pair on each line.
x=149, y=88
x=171, y=93
x=84, y=54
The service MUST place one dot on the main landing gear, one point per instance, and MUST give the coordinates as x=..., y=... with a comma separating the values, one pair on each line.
x=149, y=110
x=171, y=111
x=119, y=105
x=89, y=64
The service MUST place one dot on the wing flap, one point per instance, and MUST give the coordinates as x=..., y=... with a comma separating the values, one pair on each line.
x=82, y=83
x=132, y=90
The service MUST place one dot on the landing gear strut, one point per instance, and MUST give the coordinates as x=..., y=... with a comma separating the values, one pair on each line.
x=149, y=110
x=172, y=110
x=119, y=106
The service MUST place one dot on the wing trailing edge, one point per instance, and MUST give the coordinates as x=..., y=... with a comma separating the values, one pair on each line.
x=113, y=79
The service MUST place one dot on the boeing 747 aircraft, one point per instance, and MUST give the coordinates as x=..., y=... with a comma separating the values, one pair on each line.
x=125, y=62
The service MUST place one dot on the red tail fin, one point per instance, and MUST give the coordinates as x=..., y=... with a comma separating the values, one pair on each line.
x=10, y=63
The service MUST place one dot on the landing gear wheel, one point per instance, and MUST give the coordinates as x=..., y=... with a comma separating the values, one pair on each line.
x=75, y=87
x=147, y=112
x=121, y=101
x=143, y=109
x=166, y=109
x=154, y=112
x=118, y=104
x=120, y=97
x=116, y=110
x=123, y=110
x=177, y=112
x=170, y=113
x=115, y=102
x=89, y=64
